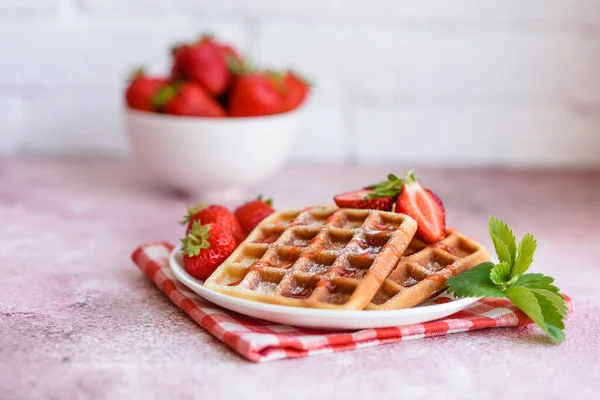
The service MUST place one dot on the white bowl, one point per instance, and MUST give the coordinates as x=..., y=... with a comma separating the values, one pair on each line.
x=214, y=159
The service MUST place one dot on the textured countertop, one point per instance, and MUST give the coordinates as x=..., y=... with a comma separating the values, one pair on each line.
x=79, y=321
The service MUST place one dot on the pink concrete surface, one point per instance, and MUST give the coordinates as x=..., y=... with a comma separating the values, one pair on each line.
x=79, y=321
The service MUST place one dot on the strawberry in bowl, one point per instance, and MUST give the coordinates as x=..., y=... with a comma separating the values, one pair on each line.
x=215, y=125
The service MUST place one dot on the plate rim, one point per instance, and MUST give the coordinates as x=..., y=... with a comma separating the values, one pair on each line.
x=182, y=275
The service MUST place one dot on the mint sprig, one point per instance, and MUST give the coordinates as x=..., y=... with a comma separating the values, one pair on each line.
x=391, y=187
x=534, y=294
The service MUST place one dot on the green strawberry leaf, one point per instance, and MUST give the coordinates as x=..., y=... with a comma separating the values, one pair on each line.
x=388, y=188
x=196, y=240
x=537, y=281
x=526, y=301
x=541, y=309
x=551, y=313
x=475, y=282
x=500, y=274
x=504, y=240
x=553, y=318
x=164, y=95
x=527, y=247
x=191, y=211
x=557, y=299
x=555, y=333
x=533, y=294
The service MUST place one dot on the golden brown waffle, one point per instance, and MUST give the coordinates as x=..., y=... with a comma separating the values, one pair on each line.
x=423, y=269
x=322, y=257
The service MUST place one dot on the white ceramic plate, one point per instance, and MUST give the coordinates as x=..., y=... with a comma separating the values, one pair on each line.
x=319, y=318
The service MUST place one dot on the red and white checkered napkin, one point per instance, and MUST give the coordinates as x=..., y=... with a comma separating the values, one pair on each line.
x=259, y=340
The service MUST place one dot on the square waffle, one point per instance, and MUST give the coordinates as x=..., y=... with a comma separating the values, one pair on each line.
x=321, y=257
x=423, y=269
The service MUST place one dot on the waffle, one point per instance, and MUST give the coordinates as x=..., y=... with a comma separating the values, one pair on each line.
x=321, y=257
x=423, y=269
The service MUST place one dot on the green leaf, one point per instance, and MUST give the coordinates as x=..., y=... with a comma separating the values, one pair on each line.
x=527, y=247
x=537, y=281
x=504, y=240
x=500, y=274
x=552, y=314
x=526, y=301
x=388, y=188
x=546, y=312
x=475, y=282
x=502, y=250
x=553, y=318
x=557, y=299
x=411, y=176
x=555, y=333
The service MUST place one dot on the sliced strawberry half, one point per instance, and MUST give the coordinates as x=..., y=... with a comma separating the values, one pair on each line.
x=361, y=199
x=424, y=207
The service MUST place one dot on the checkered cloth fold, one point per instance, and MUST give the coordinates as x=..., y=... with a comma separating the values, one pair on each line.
x=259, y=340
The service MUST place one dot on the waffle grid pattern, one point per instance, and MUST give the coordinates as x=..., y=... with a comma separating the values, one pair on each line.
x=423, y=270
x=322, y=257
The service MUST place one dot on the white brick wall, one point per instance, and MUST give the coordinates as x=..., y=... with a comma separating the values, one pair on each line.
x=419, y=81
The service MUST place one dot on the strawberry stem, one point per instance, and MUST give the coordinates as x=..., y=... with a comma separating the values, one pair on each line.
x=206, y=36
x=164, y=95
x=238, y=67
x=196, y=240
x=269, y=202
x=138, y=71
x=191, y=211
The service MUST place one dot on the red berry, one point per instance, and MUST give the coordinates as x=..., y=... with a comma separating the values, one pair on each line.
x=205, y=248
x=204, y=63
x=255, y=94
x=296, y=91
x=188, y=99
x=214, y=214
x=424, y=207
x=252, y=213
x=356, y=199
x=142, y=89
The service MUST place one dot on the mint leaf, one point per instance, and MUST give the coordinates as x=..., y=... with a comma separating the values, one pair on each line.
x=550, y=311
x=534, y=294
x=537, y=281
x=540, y=308
x=556, y=334
x=388, y=188
x=527, y=247
x=504, y=240
x=526, y=301
x=553, y=318
x=557, y=299
x=475, y=282
x=500, y=274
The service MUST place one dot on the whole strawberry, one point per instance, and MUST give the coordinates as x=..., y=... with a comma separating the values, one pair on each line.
x=187, y=99
x=252, y=213
x=205, y=248
x=206, y=63
x=213, y=214
x=255, y=94
x=295, y=92
x=142, y=89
